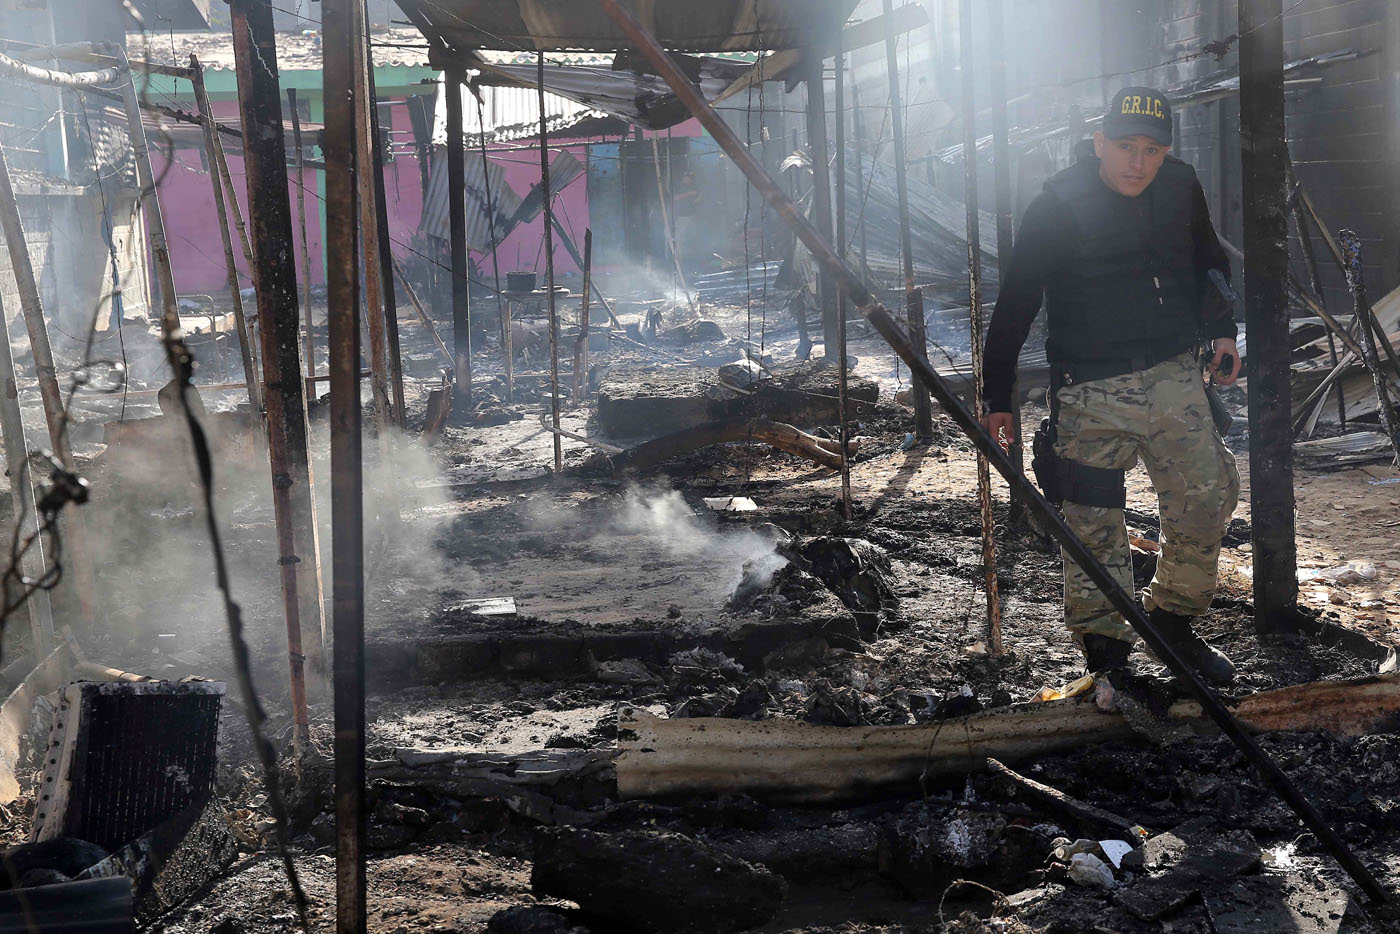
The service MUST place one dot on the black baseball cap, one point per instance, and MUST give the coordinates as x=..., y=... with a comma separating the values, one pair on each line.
x=1139, y=112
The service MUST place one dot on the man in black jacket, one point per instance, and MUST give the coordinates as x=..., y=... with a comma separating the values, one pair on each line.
x=1120, y=245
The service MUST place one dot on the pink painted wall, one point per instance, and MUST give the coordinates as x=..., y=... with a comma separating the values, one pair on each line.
x=196, y=250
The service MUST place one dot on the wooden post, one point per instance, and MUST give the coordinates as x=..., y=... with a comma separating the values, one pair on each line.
x=913, y=298
x=76, y=545
x=821, y=188
x=231, y=204
x=307, y=344
x=386, y=254
x=453, y=79
x=1264, y=160
x=549, y=272
x=245, y=339
x=369, y=239
x=858, y=125
x=293, y=503
x=581, y=346
x=839, y=60
x=1001, y=170
x=342, y=51
x=1356, y=281
x=33, y=564
x=974, y=303
x=502, y=306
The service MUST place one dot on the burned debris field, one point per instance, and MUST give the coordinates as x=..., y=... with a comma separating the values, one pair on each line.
x=620, y=467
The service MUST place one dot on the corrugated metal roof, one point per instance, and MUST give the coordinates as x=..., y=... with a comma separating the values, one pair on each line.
x=681, y=25
x=509, y=113
x=434, y=222
x=296, y=51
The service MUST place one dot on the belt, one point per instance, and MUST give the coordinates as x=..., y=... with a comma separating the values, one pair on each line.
x=1070, y=372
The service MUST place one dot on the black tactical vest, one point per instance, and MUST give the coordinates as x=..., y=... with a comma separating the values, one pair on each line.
x=1128, y=287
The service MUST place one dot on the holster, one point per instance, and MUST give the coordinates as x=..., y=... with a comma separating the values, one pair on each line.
x=1063, y=480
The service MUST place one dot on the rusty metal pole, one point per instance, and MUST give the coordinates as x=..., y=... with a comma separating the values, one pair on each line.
x=1264, y=166
x=913, y=297
x=386, y=257
x=1356, y=281
x=245, y=340
x=453, y=79
x=886, y=326
x=293, y=502
x=74, y=527
x=34, y=564
x=1001, y=170
x=974, y=305
x=308, y=347
x=549, y=272
x=839, y=59
x=502, y=306
x=343, y=25
x=821, y=186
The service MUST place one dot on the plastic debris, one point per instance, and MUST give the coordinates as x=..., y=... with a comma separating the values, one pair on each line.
x=1064, y=849
x=908, y=442
x=1115, y=850
x=1353, y=572
x=1073, y=689
x=1088, y=870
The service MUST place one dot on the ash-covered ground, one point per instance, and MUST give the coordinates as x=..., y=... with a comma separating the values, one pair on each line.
x=632, y=591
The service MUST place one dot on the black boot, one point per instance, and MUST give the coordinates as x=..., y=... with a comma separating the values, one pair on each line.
x=1211, y=663
x=1104, y=653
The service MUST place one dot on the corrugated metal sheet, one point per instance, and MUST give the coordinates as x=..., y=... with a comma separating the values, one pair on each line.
x=434, y=221
x=681, y=25
x=509, y=113
x=296, y=51
x=641, y=99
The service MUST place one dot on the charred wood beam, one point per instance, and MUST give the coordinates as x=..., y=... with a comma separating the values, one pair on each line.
x=453, y=80
x=782, y=436
x=307, y=345
x=549, y=270
x=1069, y=806
x=1264, y=161
x=885, y=325
x=841, y=241
x=1356, y=281
x=386, y=256
x=343, y=23
x=795, y=761
x=821, y=190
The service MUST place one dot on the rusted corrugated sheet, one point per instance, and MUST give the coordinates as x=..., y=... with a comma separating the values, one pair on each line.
x=510, y=113
x=681, y=25
x=503, y=199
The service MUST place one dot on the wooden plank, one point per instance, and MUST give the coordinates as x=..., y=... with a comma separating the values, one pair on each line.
x=788, y=760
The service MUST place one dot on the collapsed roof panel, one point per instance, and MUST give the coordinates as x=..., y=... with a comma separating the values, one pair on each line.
x=680, y=25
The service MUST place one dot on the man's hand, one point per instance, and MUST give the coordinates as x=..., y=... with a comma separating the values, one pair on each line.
x=1224, y=350
x=1002, y=427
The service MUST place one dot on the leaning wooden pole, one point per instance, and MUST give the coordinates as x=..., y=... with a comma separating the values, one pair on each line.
x=231, y=203
x=374, y=274
x=269, y=209
x=344, y=36
x=74, y=527
x=245, y=339
x=821, y=186
x=913, y=297
x=1356, y=282
x=549, y=272
x=1264, y=161
x=33, y=564
x=841, y=372
x=502, y=306
x=453, y=79
x=308, y=347
x=885, y=325
x=386, y=257
x=974, y=304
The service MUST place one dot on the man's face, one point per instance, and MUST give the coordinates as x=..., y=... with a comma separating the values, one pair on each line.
x=1130, y=164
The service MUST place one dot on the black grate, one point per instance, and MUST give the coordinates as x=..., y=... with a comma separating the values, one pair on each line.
x=143, y=753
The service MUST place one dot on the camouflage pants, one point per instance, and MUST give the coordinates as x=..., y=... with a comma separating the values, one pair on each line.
x=1161, y=416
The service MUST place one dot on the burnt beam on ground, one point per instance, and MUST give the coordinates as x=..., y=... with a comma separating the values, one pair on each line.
x=1264, y=161
x=270, y=212
x=343, y=23
x=885, y=325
